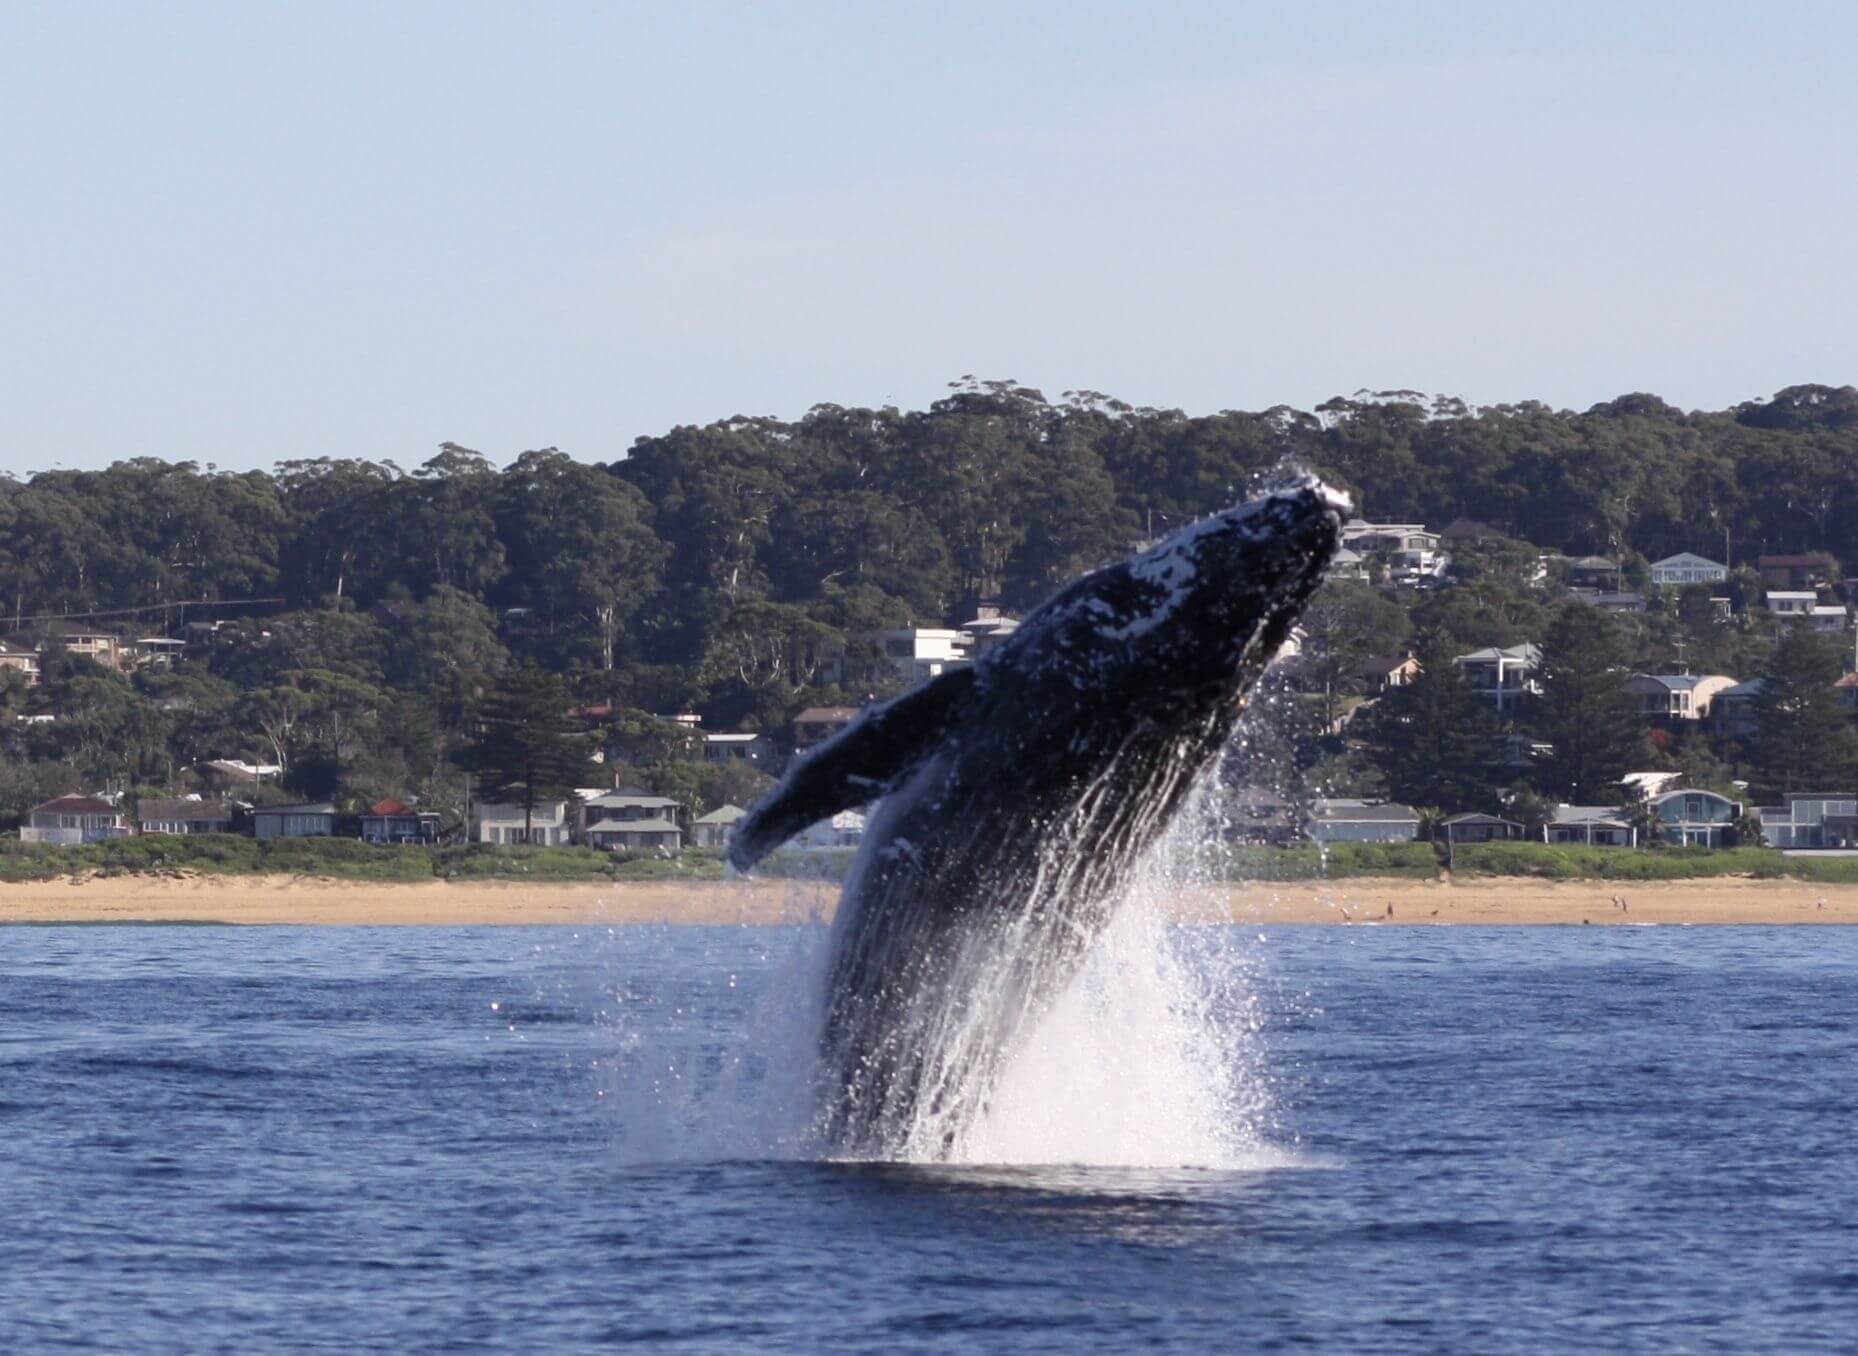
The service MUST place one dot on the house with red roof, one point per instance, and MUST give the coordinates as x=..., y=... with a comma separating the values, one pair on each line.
x=389, y=821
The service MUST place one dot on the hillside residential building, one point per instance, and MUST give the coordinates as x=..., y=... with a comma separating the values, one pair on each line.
x=184, y=816
x=843, y=830
x=1593, y=572
x=1476, y=828
x=1361, y=821
x=713, y=830
x=312, y=819
x=815, y=725
x=388, y=821
x=990, y=630
x=21, y=658
x=1677, y=696
x=754, y=749
x=72, y=820
x=1692, y=818
x=161, y=652
x=1590, y=825
x=631, y=820
x=1811, y=570
x=922, y=652
x=1830, y=618
x=1348, y=564
x=1732, y=711
x=1812, y=819
x=1390, y=670
x=1503, y=675
x=1685, y=568
x=493, y=822
x=1610, y=602
x=1792, y=604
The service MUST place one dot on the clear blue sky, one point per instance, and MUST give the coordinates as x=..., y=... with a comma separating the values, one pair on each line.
x=249, y=232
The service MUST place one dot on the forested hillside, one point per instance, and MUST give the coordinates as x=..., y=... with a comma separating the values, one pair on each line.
x=369, y=606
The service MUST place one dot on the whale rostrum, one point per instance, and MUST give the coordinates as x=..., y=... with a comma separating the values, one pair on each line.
x=1015, y=797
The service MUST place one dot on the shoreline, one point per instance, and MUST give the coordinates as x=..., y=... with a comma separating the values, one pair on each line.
x=1484, y=901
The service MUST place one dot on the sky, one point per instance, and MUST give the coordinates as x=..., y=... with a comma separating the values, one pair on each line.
x=246, y=233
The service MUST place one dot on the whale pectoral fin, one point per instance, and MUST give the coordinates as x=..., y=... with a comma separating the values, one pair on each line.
x=855, y=767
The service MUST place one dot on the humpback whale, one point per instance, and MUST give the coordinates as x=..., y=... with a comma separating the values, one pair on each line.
x=1015, y=797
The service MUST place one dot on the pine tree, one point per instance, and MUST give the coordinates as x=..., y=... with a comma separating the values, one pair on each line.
x=1433, y=739
x=1585, y=710
x=527, y=748
x=1803, y=739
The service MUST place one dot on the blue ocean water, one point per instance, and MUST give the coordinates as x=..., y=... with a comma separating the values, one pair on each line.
x=1502, y=1140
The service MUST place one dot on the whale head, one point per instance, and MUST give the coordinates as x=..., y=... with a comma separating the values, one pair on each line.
x=1204, y=610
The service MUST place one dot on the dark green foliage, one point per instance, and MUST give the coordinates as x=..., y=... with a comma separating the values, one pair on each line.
x=527, y=749
x=1432, y=740
x=1585, y=710
x=1804, y=740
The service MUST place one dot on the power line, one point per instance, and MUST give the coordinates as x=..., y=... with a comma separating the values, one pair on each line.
x=151, y=607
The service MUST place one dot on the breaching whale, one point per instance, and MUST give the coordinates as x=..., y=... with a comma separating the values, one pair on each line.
x=1016, y=796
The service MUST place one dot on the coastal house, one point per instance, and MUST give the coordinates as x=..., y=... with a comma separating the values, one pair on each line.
x=1627, y=602
x=1256, y=815
x=1590, y=825
x=1593, y=572
x=1388, y=670
x=1693, y=818
x=1478, y=828
x=311, y=819
x=184, y=816
x=68, y=821
x=497, y=822
x=1677, y=696
x=1808, y=570
x=815, y=725
x=1686, y=568
x=1732, y=711
x=1830, y=618
x=631, y=820
x=21, y=658
x=1792, y=604
x=389, y=821
x=755, y=749
x=1341, y=820
x=1503, y=674
x=713, y=830
x=922, y=652
x=1811, y=819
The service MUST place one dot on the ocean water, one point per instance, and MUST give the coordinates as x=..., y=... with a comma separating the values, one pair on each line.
x=1452, y=1139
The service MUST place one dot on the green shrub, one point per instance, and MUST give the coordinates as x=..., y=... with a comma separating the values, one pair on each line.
x=521, y=862
x=1556, y=861
x=1306, y=861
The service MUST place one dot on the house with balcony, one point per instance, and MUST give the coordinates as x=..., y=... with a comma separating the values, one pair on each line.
x=548, y=824
x=1808, y=570
x=1692, y=818
x=1344, y=820
x=106, y=647
x=69, y=821
x=631, y=820
x=1677, y=696
x=185, y=816
x=1811, y=819
x=1674, y=572
x=1593, y=572
x=21, y=658
x=1590, y=826
x=919, y=653
x=1503, y=675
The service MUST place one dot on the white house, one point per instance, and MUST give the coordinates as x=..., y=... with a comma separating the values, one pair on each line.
x=1792, y=603
x=493, y=822
x=21, y=658
x=1828, y=617
x=630, y=818
x=920, y=652
x=987, y=632
x=1686, y=568
x=1359, y=821
x=70, y=820
x=1677, y=696
x=1503, y=674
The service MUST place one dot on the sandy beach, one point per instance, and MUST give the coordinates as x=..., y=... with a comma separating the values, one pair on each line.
x=303, y=900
